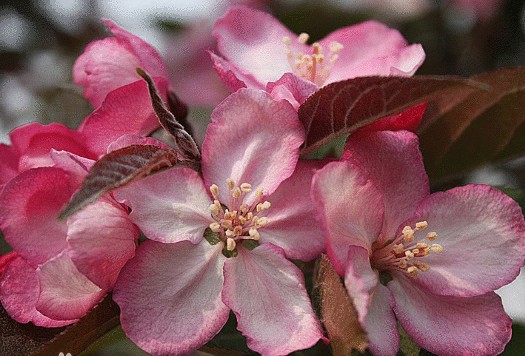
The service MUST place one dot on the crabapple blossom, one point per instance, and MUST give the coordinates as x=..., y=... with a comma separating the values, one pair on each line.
x=431, y=261
x=226, y=247
x=257, y=51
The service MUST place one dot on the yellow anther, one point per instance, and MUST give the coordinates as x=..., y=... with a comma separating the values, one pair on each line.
x=245, y=187
x=254, y=234
x=217, y=203
x=335, y=47
x=249, y=216
x=408, y=234
x=233, y=214
x=287, y=40
x=437, y=248
x=317, y=48
x=415, y=251
x=214, y=190
x=431, y=236
x=243, y=208
x=230, y=183
x=215, y=227
x=334, y=58
x=214, y=209
x=398, y=249
x=227, y=224
x=421, y=245
x=409, y=254
x=237, y=230
x=242, y=219
x=261, y=222
x=303, y=38
x=230, y=244
x=422, y=266
x=422, y=225
x=227, y=215
x=413, y=271
x=229, y=233
x=403, y=264
x=236, y=192
x=259, y=193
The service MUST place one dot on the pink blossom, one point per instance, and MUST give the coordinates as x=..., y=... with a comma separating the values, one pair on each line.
x=259, y=52
x=431, y=261
x=176, y=294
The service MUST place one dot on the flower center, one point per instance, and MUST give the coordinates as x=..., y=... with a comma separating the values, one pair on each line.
x=236, y=221
x=404, y=253
x=314, y=67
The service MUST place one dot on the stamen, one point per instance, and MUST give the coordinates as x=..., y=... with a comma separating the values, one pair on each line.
x=230, y=244
x=303, y=38
x=437, y=248
x=422, y=225
x=335, y=47
x=230, y=183
x=408, y=234
x=254, y=234
x=215, y=227
x=236, y=192
x=431, y=236
x=259, y=193
x=246, y=188
x=413, y=271
x=287, y=40
x=214, y=191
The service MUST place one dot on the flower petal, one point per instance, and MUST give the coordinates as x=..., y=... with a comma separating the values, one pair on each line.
x=341, y=192
x=371, y=48
x=130, y=139
x=110, y=63
x=169, y=296
x=252, y=139
x=409, y=120
x=102, y=239
x=233, y=77
x=8, y=164
x=19, y=289
x=29, y=208
x=291, y=88
x=65, y=293
x=372, y=301
x=482, y=232
x=291, y=222
x=447, y=325
x=395, y=166
x=267, y=294
x=170, y=206
x=126, y=110
x=253, y=40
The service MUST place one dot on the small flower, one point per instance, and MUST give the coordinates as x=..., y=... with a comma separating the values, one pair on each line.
x=430, y=261
x=259, y=52
x=226, y=246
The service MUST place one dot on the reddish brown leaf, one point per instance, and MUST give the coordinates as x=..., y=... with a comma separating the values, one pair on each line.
x=117, y=169
x=338, y=313
x=343, y=107
x=483, y=126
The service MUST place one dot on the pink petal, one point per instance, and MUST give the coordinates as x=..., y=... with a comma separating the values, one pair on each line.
x=34, y=142
x=371, y=48
x=29, y=208
x=110, y=63
x=267, y=294
x=102, y=240
x=253, y=40
x=129, y=140
x=169, y=296
x=65, y=293
x=233, y=77
x=409, y=120
x=252, y=139
x=341, y=192
x=451, y=325
x=291, y=88
x=372, y=301
x=6, y=259
x=170, y=206
x=78, y=167
x=8, y=164
x=292, y=225
x=126, y=110
x=19, y=289
x=395, y=166
x=482, y=232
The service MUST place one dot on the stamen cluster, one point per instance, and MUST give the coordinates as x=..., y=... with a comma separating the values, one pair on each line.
x=237, y=221
x=314, y=67
x=404, y=253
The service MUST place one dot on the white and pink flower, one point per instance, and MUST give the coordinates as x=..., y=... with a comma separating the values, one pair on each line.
x=226, y=247
x=431, y=261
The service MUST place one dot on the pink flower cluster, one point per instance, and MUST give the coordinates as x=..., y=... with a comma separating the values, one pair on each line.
x=223, y=239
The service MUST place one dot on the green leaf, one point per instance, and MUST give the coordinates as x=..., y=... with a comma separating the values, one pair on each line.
x=212, y=237
x=117, y=169
x=485, y=126
x=338, y=312
x=343, y=107
x=407, y=346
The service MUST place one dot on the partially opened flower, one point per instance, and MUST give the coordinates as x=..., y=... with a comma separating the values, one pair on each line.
x=221, y=241
x=430, y=261
x=259, y=52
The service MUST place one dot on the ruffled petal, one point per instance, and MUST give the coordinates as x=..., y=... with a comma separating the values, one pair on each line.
x=19, y=289
x=110, y=63
x=170, y=206
x=267, y=294
x=102, y=239
x=341, y=192
x=29, y=208
x=252, y=139
x=482, y=232
x=291, y=88
x=395, y=166
x=253, y=40
x=170, y=296
x=373, y=303
x=233, y=77
x=65, y=293
x=126, y=110
x=34, y=142
x=291, y=222
x=446, y=325
x=371, y=48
